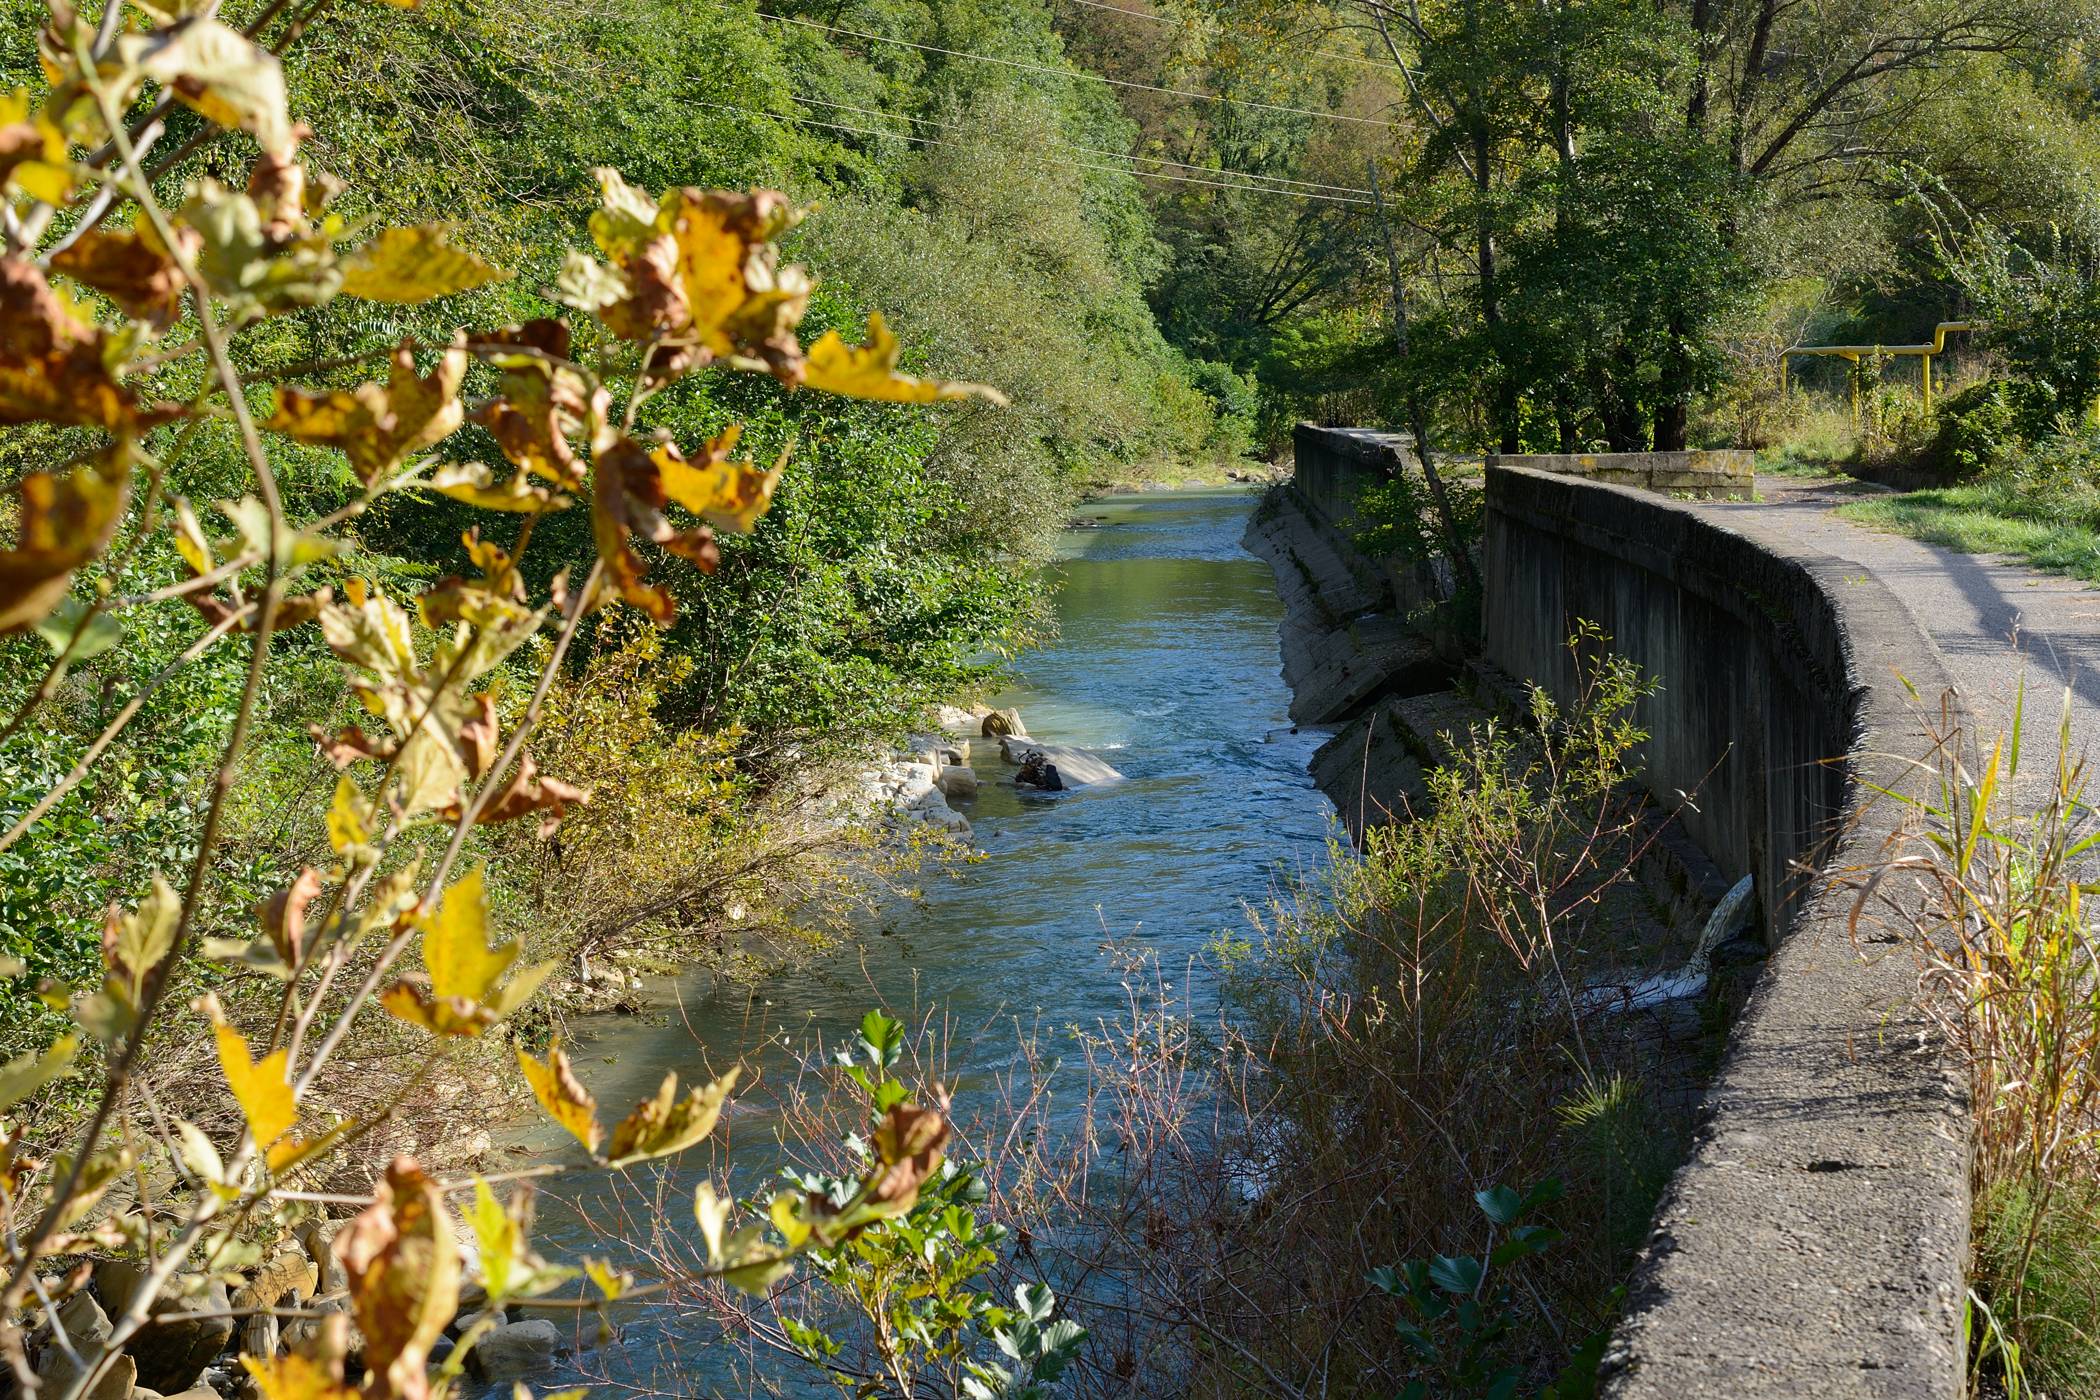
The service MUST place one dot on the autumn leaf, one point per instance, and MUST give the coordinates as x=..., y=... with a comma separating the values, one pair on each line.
x=509, y=1267
x=134, y=944
x=257, y=252
x=741, y=1257
x=53, y=367
x=567, y=1102
x=627, y=499
x=219, y=73
x=259, y=1086
x=663, y=1124
x=403, y=1268
x=296, y=1377
x=33, y=155
x=349, y=817
x=455, y=942
x=64, y=523
x=541, y=399
x=475, y=485
x=408, y=266
x=909, y=1143
x=731, y=495
x=870, y=371
x=530, y=791
x=131, y=267
x=283, y=916
x=378, y=427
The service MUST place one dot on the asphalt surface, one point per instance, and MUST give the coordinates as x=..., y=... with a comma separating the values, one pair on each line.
x=1997, y=623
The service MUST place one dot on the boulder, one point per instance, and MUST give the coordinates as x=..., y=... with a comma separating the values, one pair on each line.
x=953, y=719
x=317, y=1237
x=1076, y=767
x=289, y=1273
x=515, y=1350
x=173, y=1349
x=957, y=783
x=259, y=1336
x=88, y=1331
x=1000, y=723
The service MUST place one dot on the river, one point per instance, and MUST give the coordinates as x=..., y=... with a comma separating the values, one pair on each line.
x=1166, y=662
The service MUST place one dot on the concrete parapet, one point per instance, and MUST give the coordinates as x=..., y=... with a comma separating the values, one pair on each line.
x=1716, y=474
x=1813, y=1243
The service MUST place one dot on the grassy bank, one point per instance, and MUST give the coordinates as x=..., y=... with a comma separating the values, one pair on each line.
x=1993, y=518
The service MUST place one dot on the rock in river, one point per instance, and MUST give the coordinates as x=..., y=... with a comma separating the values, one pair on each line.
x=516, y=1350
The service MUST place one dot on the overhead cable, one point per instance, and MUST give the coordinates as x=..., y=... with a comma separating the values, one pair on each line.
x=1081, y=73
x=1039, y=159
x=1092, y=150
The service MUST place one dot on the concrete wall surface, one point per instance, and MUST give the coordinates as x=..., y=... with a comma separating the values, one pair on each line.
x=1716, y=474
x=1813, y=1243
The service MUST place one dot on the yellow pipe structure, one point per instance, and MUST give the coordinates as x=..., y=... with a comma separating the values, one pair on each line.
x=1852, y=353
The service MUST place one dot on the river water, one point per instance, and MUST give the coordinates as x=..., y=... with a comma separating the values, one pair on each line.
x=1167, y=663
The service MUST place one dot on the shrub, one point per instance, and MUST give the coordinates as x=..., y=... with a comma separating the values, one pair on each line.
x=1971, y=428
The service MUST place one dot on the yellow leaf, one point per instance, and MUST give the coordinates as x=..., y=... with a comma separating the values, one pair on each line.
x=713, y=1214
x=475, y=484
x=25, y=1074
x=732, y=495
x=259, y=1086
x=379, y=426
x=519, y=989
x=456, y=943
x=870, y=371
x=347, y=816
x=451, y=1016
x=627, y=219
x=296, y=1377
x=567, y=1102
x=787, y=1218
x=61, y=523
x=611, y=1282
x=190, y=541
x=662, y=1125
x=411, y=265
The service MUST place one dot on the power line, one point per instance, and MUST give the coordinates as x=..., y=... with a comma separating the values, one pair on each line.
x=1093, y=150
x=1183, y=24
x=1043, y=160
x=1081, y=73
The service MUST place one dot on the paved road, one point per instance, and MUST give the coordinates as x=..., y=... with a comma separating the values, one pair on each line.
x=1994, y=620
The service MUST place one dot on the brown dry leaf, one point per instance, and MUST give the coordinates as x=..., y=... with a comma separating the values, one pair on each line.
x=909, y=1141
x=64, y=522
x=378, y=427
x=530, y=791
x=403, y=1268
x=132, y=268
x=541, y=400
x=567, y=1102
x=663, y=1124
x=283, y=916
x=627, y=499
x=411, y=1000
x=870, y=371
x=54, y=368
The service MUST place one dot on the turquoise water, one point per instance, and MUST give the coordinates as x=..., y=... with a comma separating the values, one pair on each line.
x=1167, y=664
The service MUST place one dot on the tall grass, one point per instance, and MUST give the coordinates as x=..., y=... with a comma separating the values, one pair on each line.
x=2010, y=966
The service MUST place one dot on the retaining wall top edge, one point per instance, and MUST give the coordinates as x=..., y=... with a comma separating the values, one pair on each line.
x=1815, y=1241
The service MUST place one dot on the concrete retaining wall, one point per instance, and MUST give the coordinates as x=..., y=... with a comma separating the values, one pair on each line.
x=1719, y=474
x=1813, y=1243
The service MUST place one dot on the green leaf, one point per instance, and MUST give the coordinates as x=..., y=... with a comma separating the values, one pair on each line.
x=1456, y=1273
x=73, y=631
x=1500, y=1204
x=25, y=1074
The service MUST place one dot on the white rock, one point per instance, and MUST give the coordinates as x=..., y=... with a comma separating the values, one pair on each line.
x=957, y=783
x=1077, y=767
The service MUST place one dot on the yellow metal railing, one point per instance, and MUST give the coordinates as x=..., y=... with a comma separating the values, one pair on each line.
x=1855, y=353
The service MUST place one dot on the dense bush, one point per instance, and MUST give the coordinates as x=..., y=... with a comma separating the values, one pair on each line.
x=1971, y=429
